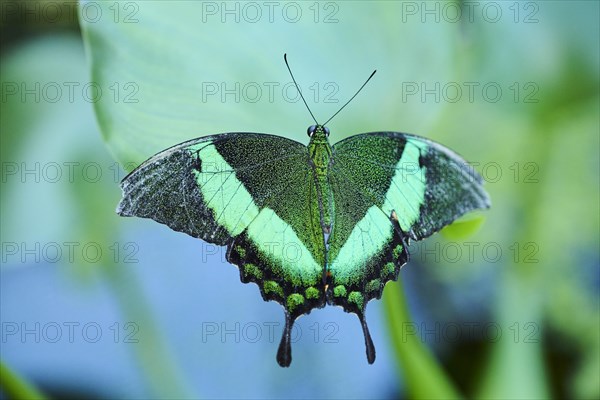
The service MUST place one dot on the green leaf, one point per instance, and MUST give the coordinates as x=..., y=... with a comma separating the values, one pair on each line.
x=166, y=80
x=425, y=378
x=464, y=227
x=16, y=387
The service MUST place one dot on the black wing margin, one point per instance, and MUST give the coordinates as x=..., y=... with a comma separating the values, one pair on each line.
x=453, y=189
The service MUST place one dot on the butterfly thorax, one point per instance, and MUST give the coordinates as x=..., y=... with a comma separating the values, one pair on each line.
x=320, y=154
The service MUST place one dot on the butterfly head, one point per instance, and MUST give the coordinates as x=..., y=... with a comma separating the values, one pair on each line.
x=318, y=130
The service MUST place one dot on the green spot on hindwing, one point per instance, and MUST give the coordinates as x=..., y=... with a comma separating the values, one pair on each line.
x=294, y=300
x=252, y=270
x=373, y=286
x=339, y=291
x=312, y=293
x=356, y=298
x=273, y=287
x=241, y=252
x=388, y=270
x=397, y=252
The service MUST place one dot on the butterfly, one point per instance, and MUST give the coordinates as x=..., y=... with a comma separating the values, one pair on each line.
x=310, y=225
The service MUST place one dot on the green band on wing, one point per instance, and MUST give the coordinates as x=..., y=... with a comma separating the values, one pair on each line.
x=407, y=188
x=286, y=253
x=366, y=241
x=230, y=202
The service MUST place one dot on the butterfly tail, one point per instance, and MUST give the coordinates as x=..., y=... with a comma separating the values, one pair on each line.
x=370, y=347
x=284, y=353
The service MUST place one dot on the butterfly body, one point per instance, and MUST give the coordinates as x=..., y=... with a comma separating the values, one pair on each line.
x=320, y=152
x=310, y=225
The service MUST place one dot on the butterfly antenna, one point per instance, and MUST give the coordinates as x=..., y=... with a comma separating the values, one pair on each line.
x=297, y=87
x=357, y=92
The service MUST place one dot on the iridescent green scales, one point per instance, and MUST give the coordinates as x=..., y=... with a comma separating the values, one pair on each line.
x=310, y=225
